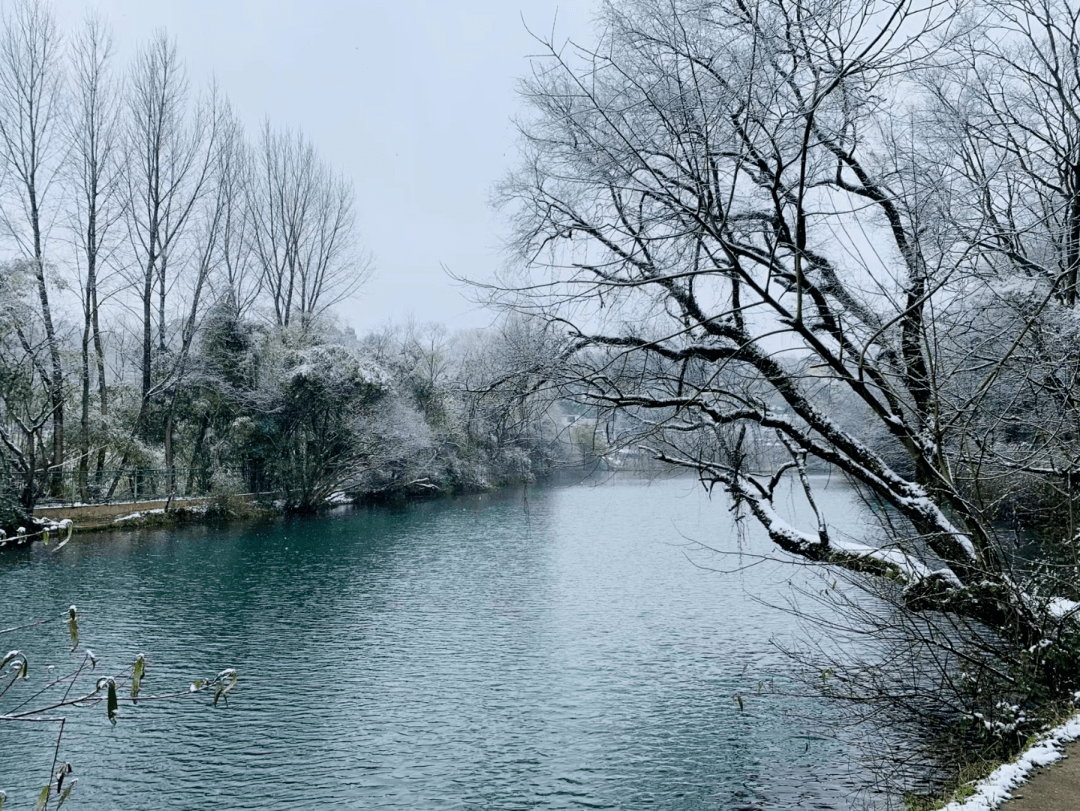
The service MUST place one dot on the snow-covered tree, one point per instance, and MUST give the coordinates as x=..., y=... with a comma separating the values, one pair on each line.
x=309, y=407
x=742, y=212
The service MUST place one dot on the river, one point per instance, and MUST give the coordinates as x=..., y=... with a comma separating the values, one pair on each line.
x=555, y=647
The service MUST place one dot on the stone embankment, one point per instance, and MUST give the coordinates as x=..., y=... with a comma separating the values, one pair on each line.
x=100, y=516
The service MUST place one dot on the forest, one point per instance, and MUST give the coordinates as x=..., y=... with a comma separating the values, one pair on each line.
x=166, y=304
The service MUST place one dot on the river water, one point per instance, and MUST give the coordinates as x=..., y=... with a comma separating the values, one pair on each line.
x=559, y=647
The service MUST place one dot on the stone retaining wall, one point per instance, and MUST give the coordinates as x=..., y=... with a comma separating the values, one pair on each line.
x=96, y=515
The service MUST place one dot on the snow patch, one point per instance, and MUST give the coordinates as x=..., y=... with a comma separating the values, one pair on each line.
x=777, y=526
x=1061, y=608
x=997, y=788
x=138, y=515
x=911, y=567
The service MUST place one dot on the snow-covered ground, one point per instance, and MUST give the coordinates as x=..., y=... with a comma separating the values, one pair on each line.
x=997, y=788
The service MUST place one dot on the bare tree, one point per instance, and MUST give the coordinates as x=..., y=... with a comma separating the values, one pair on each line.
x=1006, y=102
x=241, y=282
x=173, y=209
x=734, y=209
x=95, y=174
x=31, y=106
x=1004, y=110
x=302, y=228
x=211, y=231
x=170, y=154
x=506, y=376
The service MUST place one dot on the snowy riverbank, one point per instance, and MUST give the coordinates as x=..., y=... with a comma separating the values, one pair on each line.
x=998, y=787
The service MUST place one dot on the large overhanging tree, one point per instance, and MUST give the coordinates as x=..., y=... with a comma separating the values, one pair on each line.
x=746, y=212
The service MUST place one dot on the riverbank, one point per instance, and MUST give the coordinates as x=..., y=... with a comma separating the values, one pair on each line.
x=1043, y=778
x=96, y=517
x=166, y=512
x=159, y=513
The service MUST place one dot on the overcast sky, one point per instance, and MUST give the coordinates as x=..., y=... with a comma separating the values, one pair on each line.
x=412, y=99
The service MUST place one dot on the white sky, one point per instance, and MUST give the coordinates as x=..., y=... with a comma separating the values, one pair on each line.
x=412, y=99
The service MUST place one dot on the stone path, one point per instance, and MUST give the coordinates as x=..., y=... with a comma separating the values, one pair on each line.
x=1055, y=788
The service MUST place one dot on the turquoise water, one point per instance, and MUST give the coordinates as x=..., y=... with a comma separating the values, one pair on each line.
x=564, y=647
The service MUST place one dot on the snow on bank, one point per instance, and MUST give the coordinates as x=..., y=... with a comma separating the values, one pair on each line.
x=138, y=515
x=188, y=509
x=997, y=788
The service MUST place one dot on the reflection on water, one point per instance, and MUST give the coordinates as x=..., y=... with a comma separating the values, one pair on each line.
x=559, y=648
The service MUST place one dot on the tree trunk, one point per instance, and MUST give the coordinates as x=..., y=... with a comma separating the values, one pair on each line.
x=84, y=455
x=170, y=458
x=148, y=335
x=103, y=390
x=197, y=452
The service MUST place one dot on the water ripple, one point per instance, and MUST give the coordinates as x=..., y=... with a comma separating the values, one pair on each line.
x=469, y=654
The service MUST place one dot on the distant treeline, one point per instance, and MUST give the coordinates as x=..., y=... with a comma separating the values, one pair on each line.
x=166, y=284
